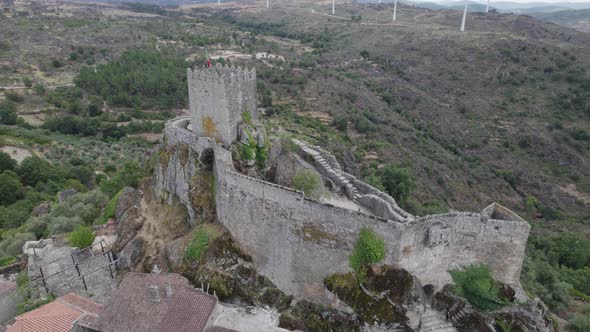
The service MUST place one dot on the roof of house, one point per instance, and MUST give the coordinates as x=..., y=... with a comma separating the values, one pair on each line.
x=137, y=306
x=57, y=316
x=6, y=287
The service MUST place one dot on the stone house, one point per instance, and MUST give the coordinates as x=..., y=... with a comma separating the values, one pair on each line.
x=167, y=302
x=57, y=316
x=9, y=299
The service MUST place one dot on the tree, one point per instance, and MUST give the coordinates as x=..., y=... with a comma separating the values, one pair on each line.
x=8, y=114
x=397, y=181
x=34, y=169
x=39, y=89
x=27, y=82
x=10, y=186
x=476, y=285
x=6, y=162
x=129, y=176
x=82, y=237
x=368, y=249
x=340, y=122
x=308, y=181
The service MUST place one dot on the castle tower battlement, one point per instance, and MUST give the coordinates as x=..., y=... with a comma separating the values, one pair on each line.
x=219, y=96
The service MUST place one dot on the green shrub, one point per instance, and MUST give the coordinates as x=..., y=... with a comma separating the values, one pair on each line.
x=8, y=260
x=14, y=97
x=109, y=211
x=27, y=82
x=308, y=181
x=397, y=181
x=10, y=187
x=476, y=285
x=6, y=162
x=340, y=122
x=82, y=237
x=368, y=249
x=8, y=114
x=580, y=321
x=203, y=236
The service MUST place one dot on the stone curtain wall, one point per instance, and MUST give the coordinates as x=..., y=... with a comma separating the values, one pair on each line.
x=432, y=245
x=218, y=96
x=297, y=242
x=294, y=241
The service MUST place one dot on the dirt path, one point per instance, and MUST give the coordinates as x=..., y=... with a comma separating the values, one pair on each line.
x=8, y=88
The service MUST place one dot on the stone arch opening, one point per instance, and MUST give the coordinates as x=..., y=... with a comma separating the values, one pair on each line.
x=207, y=159
x=428, y=293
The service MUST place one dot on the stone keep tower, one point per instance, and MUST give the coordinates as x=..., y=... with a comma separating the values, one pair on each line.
x=218, y=97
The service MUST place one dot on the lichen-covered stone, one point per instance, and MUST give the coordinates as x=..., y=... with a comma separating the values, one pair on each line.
x=384, y=297
x=128, y=198
x=132, y=254
x=63, y=195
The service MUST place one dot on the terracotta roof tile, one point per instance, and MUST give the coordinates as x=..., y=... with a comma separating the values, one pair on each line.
x=81, y=303
x=56, y=316
x=132, y=309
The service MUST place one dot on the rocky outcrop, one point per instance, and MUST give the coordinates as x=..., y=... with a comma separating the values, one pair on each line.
x=41, y=209
x=128, y=217
x=388, y=297
x=128, y=198
x=522, y=317
x=132, y=254
x=63, y=195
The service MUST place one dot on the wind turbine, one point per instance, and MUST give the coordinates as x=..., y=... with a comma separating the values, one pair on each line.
x=333, y=7
x=488, y=7
x=464, y=17
x=394, y=10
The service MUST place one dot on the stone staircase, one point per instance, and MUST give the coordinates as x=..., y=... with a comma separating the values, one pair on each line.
x=331, y=169
x=62, y=268
x=434, y=321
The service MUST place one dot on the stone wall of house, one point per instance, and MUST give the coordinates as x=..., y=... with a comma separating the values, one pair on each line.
x=218, y=96
x=9, y=301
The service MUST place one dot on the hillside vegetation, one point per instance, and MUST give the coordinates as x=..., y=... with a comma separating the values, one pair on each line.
x=500, y=113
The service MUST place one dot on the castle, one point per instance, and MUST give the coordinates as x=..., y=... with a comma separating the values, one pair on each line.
x=297, y=241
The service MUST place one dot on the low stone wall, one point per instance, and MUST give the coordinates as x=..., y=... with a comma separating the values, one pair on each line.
x=296, y=242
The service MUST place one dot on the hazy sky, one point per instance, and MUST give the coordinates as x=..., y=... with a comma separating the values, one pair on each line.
x=539, y=1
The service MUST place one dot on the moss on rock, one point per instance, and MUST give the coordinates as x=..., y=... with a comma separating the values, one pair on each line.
x=202, y=196
x=372, y=310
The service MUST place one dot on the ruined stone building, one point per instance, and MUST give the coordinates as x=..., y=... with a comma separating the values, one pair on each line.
x=297, y=241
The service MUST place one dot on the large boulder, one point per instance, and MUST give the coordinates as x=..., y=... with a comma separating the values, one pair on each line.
x=388, y=296
x=128, y=198
x=132, y=254
x=41, y=209
x=128, y=217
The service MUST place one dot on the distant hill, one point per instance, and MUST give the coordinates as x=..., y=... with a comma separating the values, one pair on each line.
x=577, y=19
x=505, y=7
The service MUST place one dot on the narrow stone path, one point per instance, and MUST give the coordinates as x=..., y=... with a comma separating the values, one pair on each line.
x=331, y=170
x=434, y=321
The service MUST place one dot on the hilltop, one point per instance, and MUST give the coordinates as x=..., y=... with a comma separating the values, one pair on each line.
x=499, y=113
x=576, y=19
